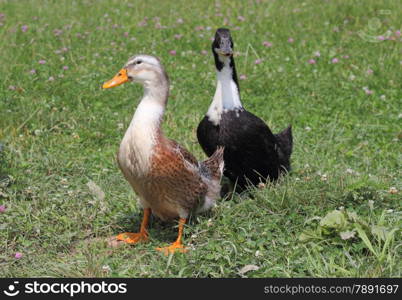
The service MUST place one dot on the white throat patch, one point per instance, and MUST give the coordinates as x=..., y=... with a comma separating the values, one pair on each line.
x=226, y=96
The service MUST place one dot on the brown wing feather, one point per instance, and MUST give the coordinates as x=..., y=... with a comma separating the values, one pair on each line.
x=214, y=164
x=183, y=151
x=173, y=186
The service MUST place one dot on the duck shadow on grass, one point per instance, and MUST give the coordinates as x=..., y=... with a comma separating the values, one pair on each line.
x=158, y=230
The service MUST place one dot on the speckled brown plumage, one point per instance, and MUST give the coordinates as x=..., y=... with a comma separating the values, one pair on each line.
x=175, y=186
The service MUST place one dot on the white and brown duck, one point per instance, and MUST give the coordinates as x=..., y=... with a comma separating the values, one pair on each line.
x=169, y=181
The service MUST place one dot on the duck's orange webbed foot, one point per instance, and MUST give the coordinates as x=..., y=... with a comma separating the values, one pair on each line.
x=175, y=247
x=132, y=238
x=142, y=236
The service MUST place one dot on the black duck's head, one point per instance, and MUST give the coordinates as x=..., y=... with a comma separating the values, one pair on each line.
x=222, y=48
x=223, y=43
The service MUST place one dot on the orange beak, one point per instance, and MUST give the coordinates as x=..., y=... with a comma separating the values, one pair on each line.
x=118, y=79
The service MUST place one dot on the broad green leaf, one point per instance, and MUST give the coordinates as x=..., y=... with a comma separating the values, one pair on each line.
x=388, y=240
x=334, y=219
x=307, y=236
x=362, y=234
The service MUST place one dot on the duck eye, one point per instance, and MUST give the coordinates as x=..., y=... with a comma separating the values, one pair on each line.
x=138, y=62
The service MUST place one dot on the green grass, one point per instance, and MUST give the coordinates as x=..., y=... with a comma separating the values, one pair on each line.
x=58, y=135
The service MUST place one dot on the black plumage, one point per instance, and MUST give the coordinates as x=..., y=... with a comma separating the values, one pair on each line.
x=253, y=153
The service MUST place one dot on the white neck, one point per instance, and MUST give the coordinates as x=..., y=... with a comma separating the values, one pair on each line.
x=226, y=95
x=148, y=115
x=142, y=134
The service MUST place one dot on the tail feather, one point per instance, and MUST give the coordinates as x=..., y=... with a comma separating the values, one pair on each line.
x=212, y=167
x=285, y=140
x=285, y=143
